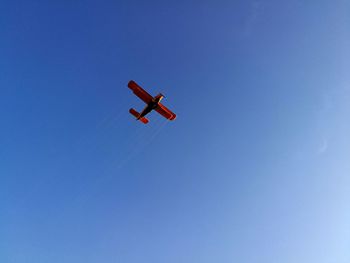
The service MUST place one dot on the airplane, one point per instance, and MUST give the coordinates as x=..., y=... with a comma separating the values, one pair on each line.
x=153, y=103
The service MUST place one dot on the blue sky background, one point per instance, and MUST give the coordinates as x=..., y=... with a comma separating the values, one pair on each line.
x=256, y=168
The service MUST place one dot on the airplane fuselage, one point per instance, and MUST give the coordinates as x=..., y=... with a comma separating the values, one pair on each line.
x=151, y=105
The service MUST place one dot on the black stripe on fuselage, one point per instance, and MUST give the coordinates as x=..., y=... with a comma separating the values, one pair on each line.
x=150, y=106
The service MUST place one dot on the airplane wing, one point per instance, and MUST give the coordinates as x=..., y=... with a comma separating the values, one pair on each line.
x=140, y=92
x=165, y=112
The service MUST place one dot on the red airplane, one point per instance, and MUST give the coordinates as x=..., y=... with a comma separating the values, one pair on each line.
x=153, y=103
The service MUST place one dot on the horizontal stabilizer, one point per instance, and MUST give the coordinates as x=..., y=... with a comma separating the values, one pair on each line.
x=136, y=114
x=144, y=120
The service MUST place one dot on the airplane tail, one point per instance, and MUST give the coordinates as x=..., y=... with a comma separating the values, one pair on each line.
x=137, y=115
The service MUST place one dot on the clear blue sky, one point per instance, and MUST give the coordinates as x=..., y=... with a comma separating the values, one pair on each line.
x=255, y=169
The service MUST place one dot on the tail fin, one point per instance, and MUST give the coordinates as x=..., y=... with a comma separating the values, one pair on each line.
x=136, y=114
